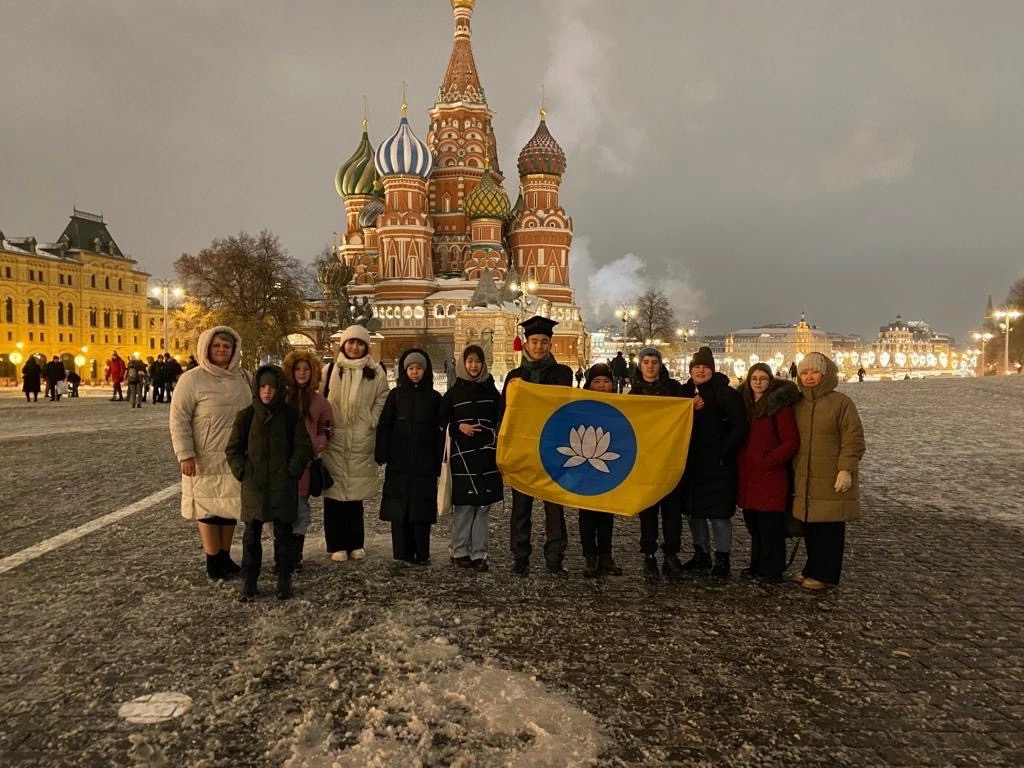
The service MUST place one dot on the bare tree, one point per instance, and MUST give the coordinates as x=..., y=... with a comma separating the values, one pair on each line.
x=251, y=284
x=655, y=319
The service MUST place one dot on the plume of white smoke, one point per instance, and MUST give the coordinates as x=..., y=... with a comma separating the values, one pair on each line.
x=576, y=95
x=600, y=291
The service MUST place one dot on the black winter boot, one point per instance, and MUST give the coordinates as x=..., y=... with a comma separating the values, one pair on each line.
x=590, y=569
x=284, y=586
x=721, y=567
x=227, y=565
x=672, y=568
x=606, y=565
x=651, y=568
x=701, y=561
x=248, y=591
x=214, y=568
x=300, y=542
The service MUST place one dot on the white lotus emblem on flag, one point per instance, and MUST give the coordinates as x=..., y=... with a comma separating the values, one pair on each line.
x=588, y=444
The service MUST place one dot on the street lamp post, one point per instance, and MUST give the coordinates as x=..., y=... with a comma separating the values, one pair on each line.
x=983, y=338
x=521, y=291
x=1007, y=316
x=626, y=311
x=164, y=290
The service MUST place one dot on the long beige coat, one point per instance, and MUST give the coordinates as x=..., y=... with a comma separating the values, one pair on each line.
x=203, y=409
x=349, y=454
x=831, y=439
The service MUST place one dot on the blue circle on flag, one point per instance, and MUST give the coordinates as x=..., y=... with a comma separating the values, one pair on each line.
x=588, y=447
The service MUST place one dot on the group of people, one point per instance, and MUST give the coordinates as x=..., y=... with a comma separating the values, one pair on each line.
x=160, y=375
x=59, y=380
x=246, y=448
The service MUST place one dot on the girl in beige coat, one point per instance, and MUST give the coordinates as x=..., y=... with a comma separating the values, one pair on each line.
x=203, y=409
x=825, y=469
x=356, y=387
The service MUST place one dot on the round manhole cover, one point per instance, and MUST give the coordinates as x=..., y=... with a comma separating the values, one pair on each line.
x=155, y=707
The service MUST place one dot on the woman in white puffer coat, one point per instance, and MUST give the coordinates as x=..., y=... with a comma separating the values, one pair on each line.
x=356, y=387
x=203, y=409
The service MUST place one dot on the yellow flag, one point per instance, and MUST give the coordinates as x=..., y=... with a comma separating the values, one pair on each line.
x=593, y=450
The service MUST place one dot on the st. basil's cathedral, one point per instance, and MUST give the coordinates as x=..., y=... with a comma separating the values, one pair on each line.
x=433, y=241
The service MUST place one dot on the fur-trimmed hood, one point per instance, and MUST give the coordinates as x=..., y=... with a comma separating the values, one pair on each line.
x=780, y=394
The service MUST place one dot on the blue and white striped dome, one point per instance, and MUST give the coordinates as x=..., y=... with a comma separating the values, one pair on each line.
x=404, y=155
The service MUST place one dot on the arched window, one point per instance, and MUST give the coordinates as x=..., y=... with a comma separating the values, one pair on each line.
x=120, y=284
x=42, y=312
x=106, y=318
x=9, y=310
x=31, y=311
x=106, y=282
x=92, y=281
x=136, y=324
x=120, y=318
x=71, y=313
x=93, y=322
x=60, y=313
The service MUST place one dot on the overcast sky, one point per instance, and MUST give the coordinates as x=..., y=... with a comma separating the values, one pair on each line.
x=851, y=159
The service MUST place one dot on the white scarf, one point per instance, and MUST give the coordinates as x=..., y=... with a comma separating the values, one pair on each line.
x=344, y=394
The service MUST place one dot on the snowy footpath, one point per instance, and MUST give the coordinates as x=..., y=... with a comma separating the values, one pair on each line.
x=116, y=650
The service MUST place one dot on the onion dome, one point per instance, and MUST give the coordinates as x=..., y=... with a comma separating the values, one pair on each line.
x=404, y=154
x=487, y=201
x=373, y=209
x=357, y=174
x=542, y=153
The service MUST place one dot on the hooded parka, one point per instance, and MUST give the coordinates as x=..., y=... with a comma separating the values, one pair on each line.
x=708, y=489
x=268, y=453
x=409, y=443
x=203, y=411
x=349, y=454
x=831, y=440
x=763, y=463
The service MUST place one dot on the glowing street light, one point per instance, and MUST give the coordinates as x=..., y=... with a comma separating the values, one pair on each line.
x=983, y=338
x=164, y=290
x=1007, y=316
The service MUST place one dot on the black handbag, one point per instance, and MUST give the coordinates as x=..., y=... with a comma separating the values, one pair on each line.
x=319, y=478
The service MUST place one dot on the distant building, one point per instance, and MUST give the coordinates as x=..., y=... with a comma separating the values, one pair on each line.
x=79, y=298
x=911, y=344
x=775, y=345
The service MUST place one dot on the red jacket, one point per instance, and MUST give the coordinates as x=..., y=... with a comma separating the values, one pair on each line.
x=117, y=369
x=762, y=463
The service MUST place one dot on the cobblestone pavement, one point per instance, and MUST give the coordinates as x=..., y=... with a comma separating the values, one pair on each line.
x=916, y=660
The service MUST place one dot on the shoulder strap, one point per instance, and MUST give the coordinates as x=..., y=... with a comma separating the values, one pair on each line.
x=327, y=382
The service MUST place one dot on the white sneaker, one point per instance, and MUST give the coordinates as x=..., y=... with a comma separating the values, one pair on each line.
x=357, y=554
x=339, y=557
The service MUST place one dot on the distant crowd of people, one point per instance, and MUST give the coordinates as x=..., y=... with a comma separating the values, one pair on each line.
x=134, y=375
x=252, y=449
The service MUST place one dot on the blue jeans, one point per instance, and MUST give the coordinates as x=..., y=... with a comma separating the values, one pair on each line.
x=470, y=534
x=722, y=529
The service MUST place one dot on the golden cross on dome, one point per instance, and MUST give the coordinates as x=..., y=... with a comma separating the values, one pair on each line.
x=366, y=119
x=405, y=106
x=543, y=112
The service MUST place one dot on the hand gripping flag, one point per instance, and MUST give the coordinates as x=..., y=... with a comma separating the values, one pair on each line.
x=592, y=450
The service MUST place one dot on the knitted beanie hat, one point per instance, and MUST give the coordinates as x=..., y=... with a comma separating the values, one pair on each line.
x=703, y=356
x=598, y=369
x=813, y=361
x=356, y=332
x=414, y=358
x=648, y=352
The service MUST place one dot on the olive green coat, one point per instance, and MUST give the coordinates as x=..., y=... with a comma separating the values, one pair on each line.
x=831, y=439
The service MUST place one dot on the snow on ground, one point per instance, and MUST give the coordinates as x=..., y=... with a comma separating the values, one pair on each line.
x=914, y=660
